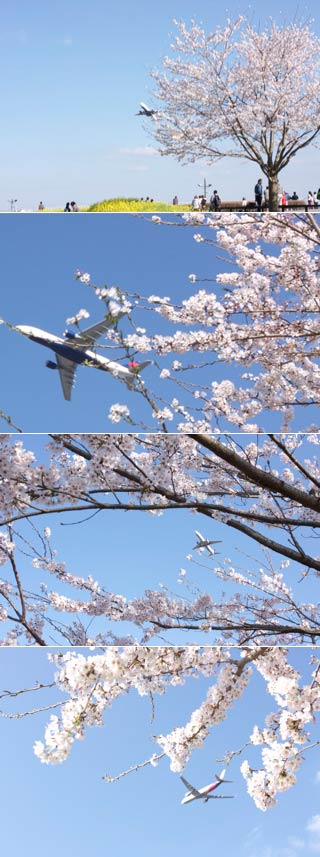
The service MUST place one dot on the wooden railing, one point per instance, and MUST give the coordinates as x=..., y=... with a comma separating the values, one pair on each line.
x=236, y=205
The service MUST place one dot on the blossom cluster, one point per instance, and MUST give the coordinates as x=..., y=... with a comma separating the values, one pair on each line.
x=265, y=489
x=284, y=737
x=92, y=683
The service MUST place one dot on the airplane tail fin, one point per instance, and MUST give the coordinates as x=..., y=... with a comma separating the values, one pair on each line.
x=142, y=366
x=221, y=777
x=136, y=370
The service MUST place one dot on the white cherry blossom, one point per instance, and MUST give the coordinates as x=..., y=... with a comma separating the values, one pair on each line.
x=88, y=684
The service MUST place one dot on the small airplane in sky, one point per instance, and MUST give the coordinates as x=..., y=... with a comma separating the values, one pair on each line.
x=146, y=111
x=205, y=543
x=205, y=793
x=74, y=349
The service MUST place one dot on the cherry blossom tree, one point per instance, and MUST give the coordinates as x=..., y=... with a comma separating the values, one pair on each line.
x=241, y=352
x=242, y=93
x=274, y=751
x=264, y=490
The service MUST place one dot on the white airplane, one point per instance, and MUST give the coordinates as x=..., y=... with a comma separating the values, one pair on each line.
x=205, y=793
x=205, y=543
x=74, y=349
x=146, y=111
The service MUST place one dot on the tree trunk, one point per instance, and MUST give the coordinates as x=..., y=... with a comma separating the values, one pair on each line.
x=273, y=193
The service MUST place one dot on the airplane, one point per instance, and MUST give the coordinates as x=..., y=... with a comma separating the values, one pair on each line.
x=146, y=111
x=204, y=793
x=74, y=349
x=205, y=543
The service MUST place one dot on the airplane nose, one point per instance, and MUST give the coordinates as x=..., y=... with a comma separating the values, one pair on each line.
x=23, y=328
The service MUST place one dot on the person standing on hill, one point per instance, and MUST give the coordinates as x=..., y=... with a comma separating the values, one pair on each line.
x=258, y=194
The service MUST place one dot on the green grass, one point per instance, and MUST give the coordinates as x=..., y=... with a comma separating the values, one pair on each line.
x=59, y=211
x=121, y=204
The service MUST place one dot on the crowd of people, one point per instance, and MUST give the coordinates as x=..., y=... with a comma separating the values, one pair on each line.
x=314, y=198
x=199, y=203
x=69, y=206
x=261, y=199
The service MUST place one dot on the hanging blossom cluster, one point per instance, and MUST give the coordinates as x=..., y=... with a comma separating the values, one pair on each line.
x=284, y=736
x=181, y=742
x=248, y=343
x=267, y=490
x=270, y=305
x=92, y=684
x=236, y=618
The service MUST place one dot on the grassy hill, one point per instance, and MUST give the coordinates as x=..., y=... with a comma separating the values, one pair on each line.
x=121, y=204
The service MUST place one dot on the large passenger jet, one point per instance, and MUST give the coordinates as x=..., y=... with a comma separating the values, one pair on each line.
x=205, y=793
x=74, y=349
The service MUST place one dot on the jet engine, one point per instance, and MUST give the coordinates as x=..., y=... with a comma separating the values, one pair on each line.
x=51, y=365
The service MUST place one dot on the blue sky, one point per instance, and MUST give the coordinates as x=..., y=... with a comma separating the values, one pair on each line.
x=68, y=809
x=38, y=263
x=40, y=257
x=129, y=553
x=72, y=76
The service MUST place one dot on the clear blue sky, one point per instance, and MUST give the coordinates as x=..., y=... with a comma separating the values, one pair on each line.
x=72, y=76
x=68, y=809
x=129, y=553
x=39, y=259
x=38, y=262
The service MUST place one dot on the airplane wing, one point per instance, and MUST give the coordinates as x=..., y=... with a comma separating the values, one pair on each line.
x=190, y=787
x=67, y=370
x=219, y=797
x=87, y=337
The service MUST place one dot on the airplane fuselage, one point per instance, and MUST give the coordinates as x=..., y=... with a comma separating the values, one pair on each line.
x=206, y=790
x=73, y=352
